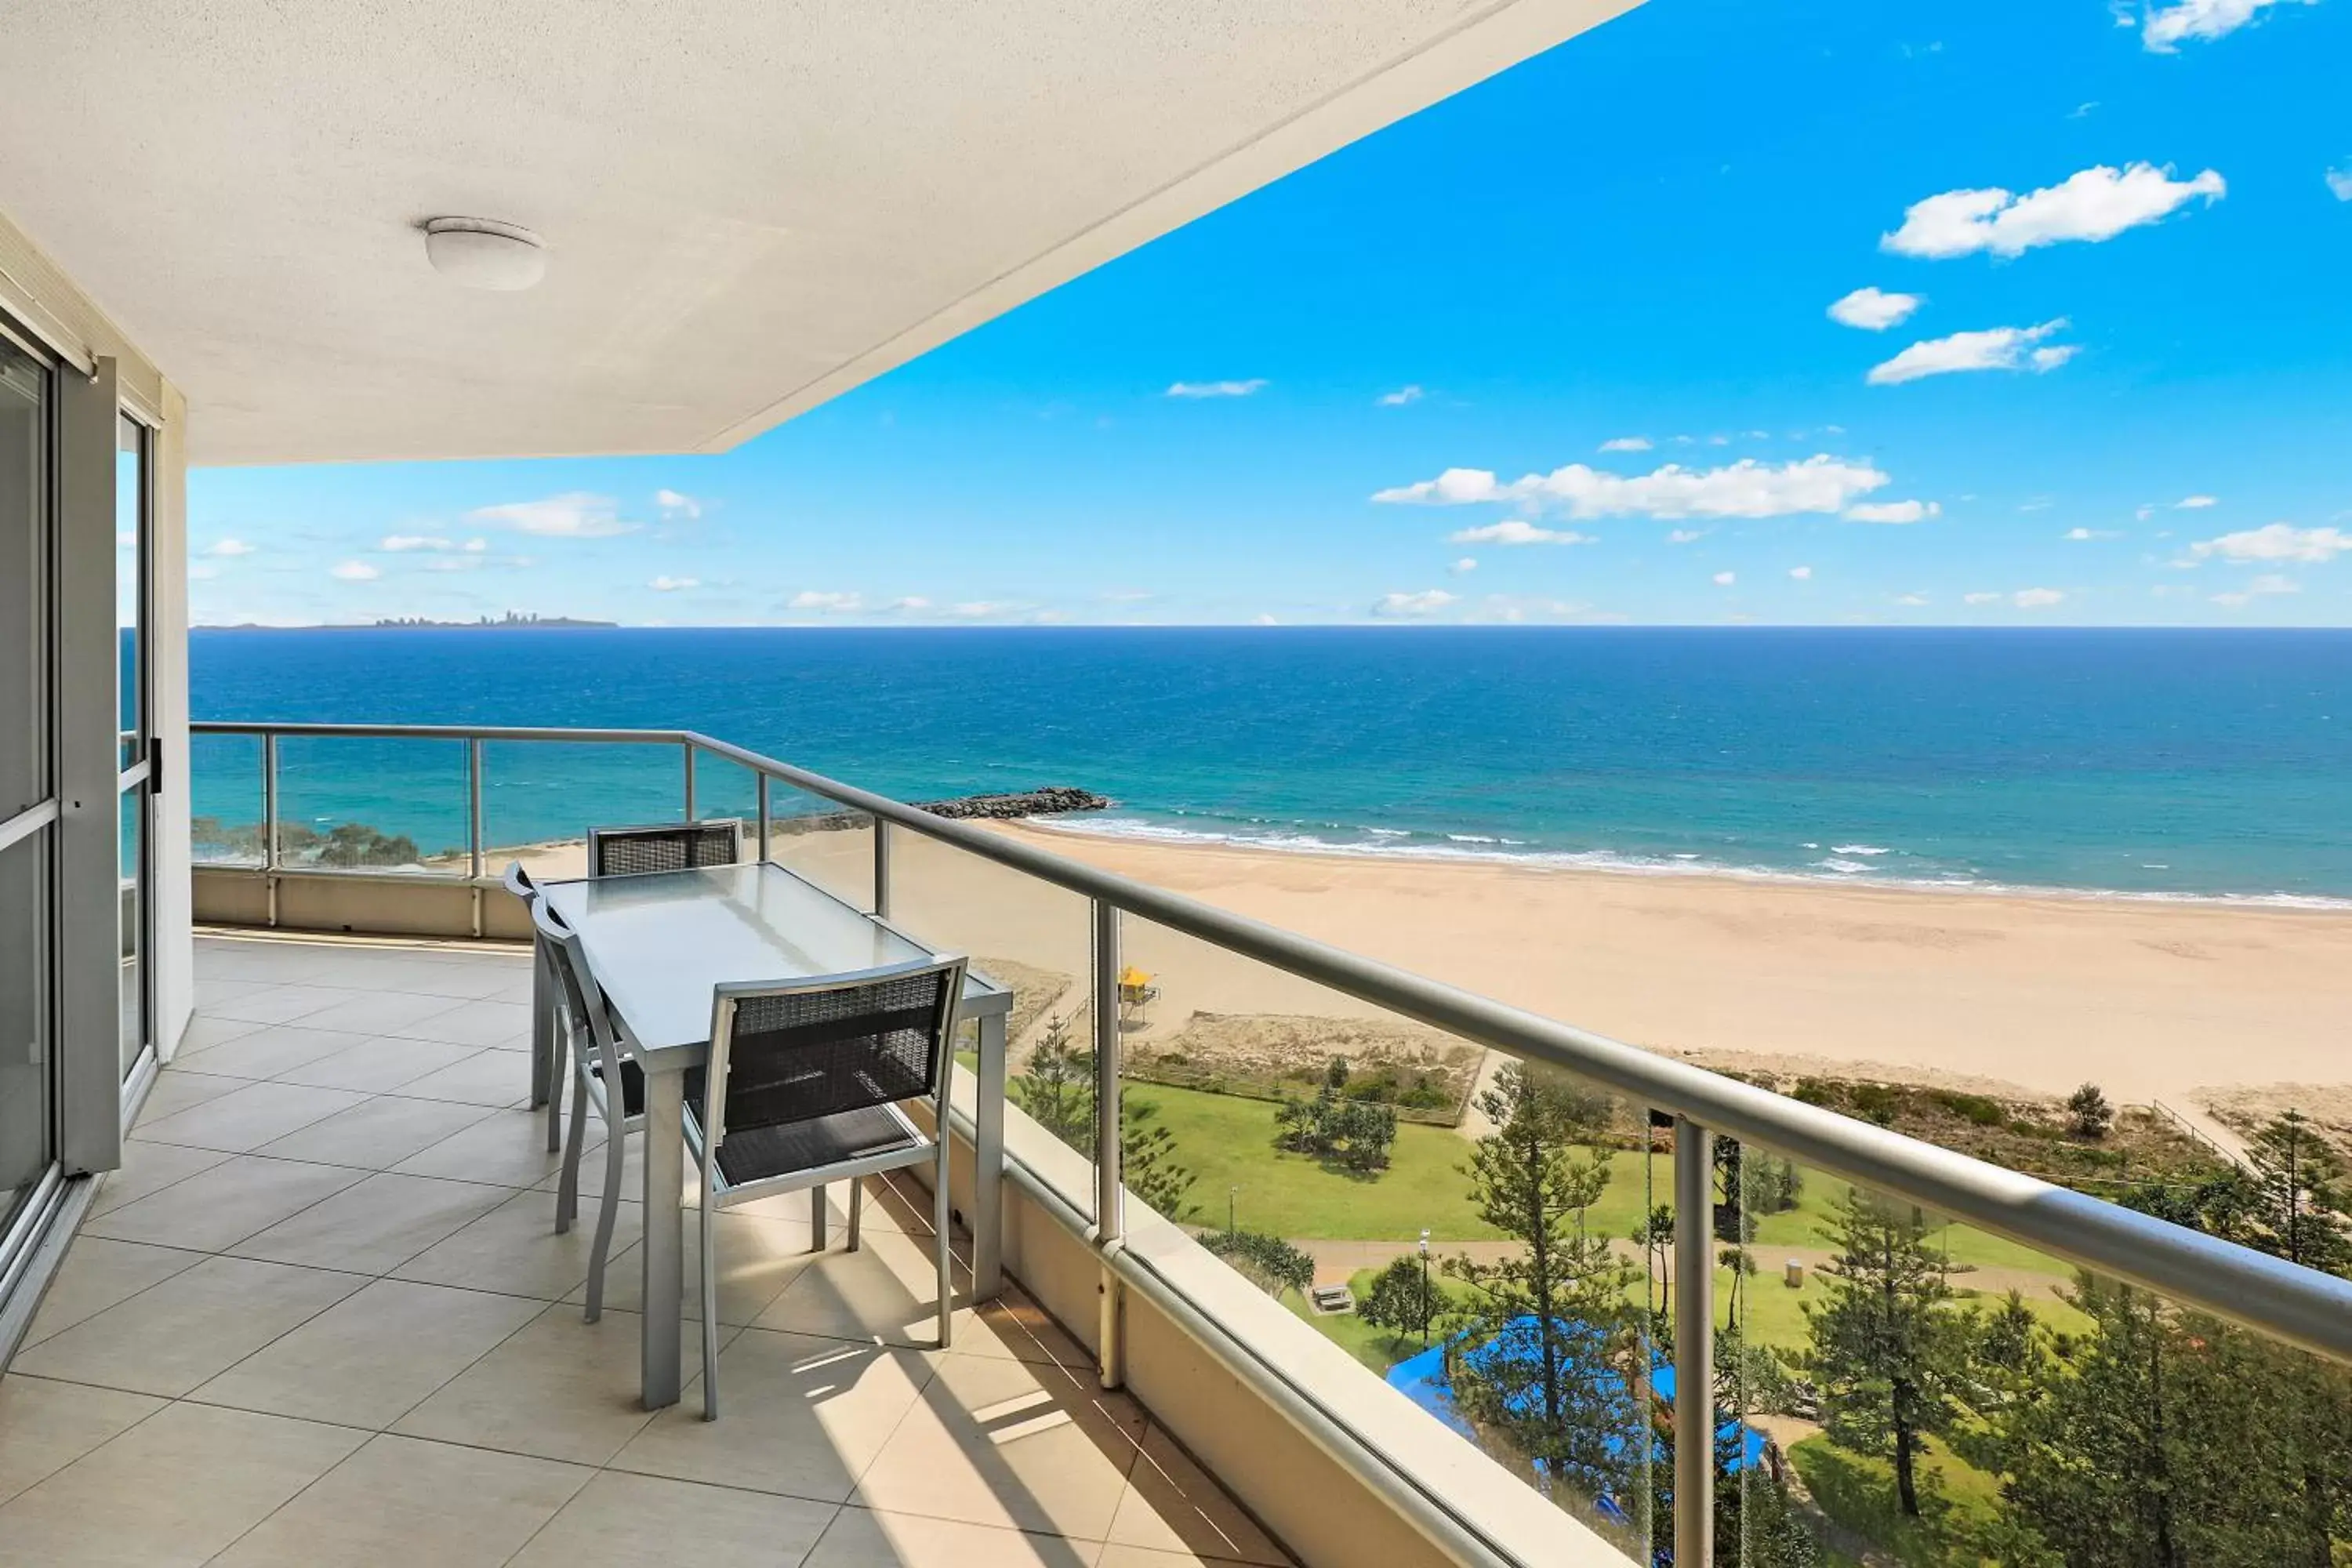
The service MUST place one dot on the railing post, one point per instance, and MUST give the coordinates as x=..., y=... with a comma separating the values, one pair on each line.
x=689, y=780
x=881, y=869
x=474, y=803
x=763, y=852
x=1109, y=1208
x=1694, y=1342
x=270, y=820
x=474, y=822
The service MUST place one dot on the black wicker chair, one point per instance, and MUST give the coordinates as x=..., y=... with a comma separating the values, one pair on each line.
x=803, y=1087
x=665, y=847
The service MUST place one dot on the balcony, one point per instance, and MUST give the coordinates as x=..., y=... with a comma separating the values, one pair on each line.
x=320, y=1314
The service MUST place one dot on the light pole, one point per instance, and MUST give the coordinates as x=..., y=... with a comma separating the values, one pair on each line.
x=1231, y=1193
x=1424, y=1287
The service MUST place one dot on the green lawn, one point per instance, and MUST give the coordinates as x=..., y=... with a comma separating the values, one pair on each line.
x=1227, y=1141
x=1858, y=1492
x=1376, y=1348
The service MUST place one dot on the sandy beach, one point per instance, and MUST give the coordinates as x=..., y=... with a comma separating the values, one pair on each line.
x=2147, y=999
x=2180, y=1002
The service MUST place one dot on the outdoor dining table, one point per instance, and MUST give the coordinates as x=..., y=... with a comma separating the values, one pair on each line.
x=657, y=942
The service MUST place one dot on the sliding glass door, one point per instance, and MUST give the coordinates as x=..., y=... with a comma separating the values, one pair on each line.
x=133, y=533
x=28, y=805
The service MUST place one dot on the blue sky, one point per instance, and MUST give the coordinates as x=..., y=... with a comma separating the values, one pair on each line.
x=1559, y=348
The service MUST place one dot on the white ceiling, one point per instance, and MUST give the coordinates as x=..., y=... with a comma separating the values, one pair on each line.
x=751, y=206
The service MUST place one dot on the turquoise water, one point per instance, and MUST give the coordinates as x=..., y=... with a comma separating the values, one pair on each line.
x=2149, y=763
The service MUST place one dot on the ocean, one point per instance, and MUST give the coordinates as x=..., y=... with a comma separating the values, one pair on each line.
x=2127, y=762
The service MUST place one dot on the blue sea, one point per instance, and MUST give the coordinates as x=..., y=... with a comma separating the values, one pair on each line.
x=2134, y=762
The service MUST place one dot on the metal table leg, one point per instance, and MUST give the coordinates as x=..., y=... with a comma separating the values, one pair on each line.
x=665, y=1250
x=988, y=1165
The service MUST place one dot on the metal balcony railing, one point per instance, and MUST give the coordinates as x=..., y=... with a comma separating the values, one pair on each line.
x=2300, y=1307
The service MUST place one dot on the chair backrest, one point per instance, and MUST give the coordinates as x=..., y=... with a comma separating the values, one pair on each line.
x=793, y=1052
x=665, y=847
x=582, y=998
x=518, y=883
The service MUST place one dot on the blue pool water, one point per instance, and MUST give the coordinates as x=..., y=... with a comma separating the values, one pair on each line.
x=2140, y=762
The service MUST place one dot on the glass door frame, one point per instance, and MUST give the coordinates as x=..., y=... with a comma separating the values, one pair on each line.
x=39, y=825
x=139, y=766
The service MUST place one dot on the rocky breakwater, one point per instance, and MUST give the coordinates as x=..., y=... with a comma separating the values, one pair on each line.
x=1051, y=801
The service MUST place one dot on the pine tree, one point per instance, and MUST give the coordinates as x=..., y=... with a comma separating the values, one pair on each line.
x=1551, y=1327
x=1886, y=1341
x=1058, y=1089
x=1058, y=1093
x=2302, y=1204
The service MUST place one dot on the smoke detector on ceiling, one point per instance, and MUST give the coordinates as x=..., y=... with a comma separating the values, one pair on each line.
x=483, y=254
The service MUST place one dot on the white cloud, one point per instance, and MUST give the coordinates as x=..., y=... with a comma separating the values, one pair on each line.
x=1263, y=620
x=2168, y=26
x=2000, y=348
x=1428, y=602
x=1894, y=511
x=354, y=572
x=398, y=541
x=2276, y=541
x=673, y=584
x=1801, y=574
x=1912, y=600
x=1981, y=598
x=576, y=514
x=826, y=603
x=230, y=547
x=2195, y=503
x=2093, y=204
x=1872, y=309
x=475, y=546
x=912, y=605
x=200, y=573
x=1626, y=444
x=1725, y=579
x=978, y=609
x=2036, y=598
x=1397, y=399
x=1513, y=531
x=2078, y=536
x=1217, y=388
x=2268, y=583
x=1467, y=564
x=677, y=505
x=1744, y=488
x=2339, y=182
x=1685, y=535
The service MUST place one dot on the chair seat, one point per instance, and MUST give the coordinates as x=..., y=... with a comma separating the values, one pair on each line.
x=633, y=1086
x=766, y=1153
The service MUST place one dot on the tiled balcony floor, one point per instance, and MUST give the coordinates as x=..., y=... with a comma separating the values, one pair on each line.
x=320, y=1317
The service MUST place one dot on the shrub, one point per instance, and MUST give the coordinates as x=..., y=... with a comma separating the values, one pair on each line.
x=1358, y=1133
x=1981, y=1109
x=2088, y=1113
x=1270, y=1263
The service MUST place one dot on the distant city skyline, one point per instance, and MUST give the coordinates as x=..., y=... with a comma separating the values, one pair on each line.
x=2029, y=314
